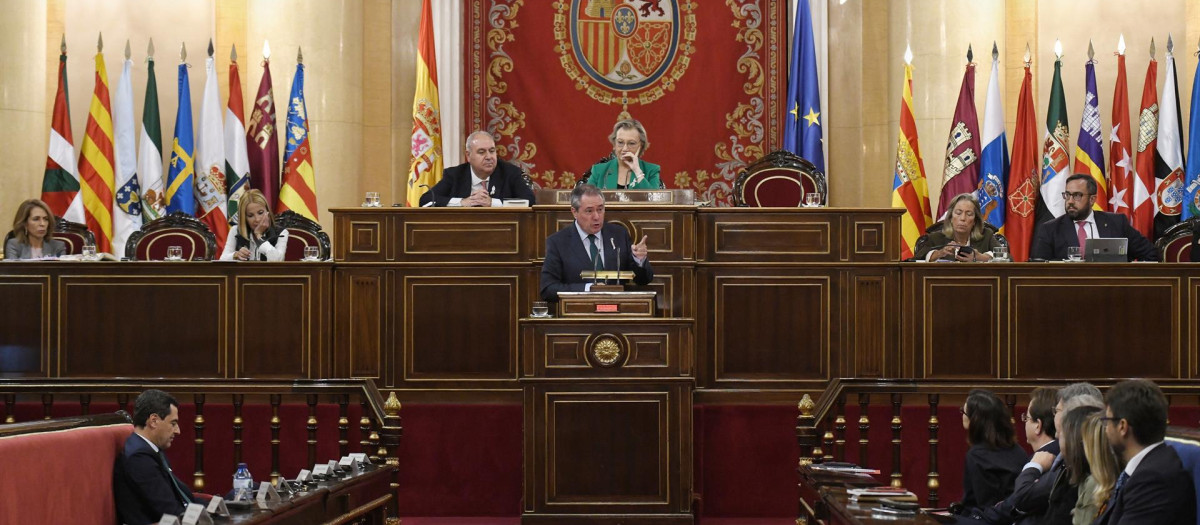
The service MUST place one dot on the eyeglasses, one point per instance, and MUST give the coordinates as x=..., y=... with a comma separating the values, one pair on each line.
x=1106, y=419
x=1075, y=196
x=622, y=144
x=962, y=411
x=1025, y=417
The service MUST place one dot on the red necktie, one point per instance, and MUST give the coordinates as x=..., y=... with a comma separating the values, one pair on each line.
x=1082, y=233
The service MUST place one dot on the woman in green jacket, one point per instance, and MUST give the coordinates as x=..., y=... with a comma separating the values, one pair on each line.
x=626, y=170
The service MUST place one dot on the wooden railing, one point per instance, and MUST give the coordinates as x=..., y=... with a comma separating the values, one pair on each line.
x=821, y=425
x=379, y=425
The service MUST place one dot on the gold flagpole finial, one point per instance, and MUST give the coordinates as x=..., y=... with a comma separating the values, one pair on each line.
x=233, y=54
x=128, y=53
x=266, y=49
x=100, y=43
x=299, y=56
x=183, y=51
x=210, y=48
x=62, y=48
x=1028, y=55
x=995, y=51
x=150, y=51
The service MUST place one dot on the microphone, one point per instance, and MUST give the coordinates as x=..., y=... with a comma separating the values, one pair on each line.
x=433, y=199
x=617, y=263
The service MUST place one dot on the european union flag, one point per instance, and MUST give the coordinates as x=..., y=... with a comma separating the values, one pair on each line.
x=802, y=134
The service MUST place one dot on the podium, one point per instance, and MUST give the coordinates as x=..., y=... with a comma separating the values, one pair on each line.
x=607, y=413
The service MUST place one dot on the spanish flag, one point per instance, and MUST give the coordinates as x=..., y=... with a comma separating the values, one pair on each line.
x=426, y=167
x=909, y=190
x=96, y=161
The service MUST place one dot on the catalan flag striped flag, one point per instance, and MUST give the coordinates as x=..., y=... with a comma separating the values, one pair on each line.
x=97, y=161
x=298, y=192
x=909, y=189
x=425, y=169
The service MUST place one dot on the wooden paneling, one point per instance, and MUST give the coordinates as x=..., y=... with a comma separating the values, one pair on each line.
x=561, y=348
x=359, y=322
x=961, y=328
x=25, y=322
x=273, y=337
x=870, y=323
x=460, y=326
x=764, y=235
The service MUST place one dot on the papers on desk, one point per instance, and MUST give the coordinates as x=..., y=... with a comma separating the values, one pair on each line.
x=877, y=493
x=846, y=469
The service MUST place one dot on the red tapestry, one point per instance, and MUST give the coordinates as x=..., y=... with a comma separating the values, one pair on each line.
x=706, y=79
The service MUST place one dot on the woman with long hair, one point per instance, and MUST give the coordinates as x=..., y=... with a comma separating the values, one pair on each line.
x=256, y=237
x=33, y=233
x=994, y=459
x=1095, y=489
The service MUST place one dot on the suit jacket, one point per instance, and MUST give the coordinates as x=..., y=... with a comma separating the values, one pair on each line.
x=1160, y=492
x=989, y=475
x=505, y=182
x=1051, y=238
x=605, y=174
x=1031, y=494
x=142, y=485
x=566, y=257
x=937, y=240
x=16, y=250
x=1062, y=498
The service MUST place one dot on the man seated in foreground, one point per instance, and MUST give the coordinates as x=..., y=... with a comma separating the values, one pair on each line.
x=590, y=244
x=144, y=486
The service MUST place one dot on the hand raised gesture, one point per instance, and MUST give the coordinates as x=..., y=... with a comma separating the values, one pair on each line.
x=639, y=249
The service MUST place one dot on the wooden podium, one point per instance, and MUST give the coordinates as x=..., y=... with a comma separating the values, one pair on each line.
x=608, y=413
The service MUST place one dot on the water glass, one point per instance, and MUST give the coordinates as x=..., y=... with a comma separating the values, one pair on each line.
x=541, y=309
x=812, y=199
x=174, y=253
x=89, y=252
x=1074, y=254
x=373, y=199
x=312, y=253
x=1000, y=254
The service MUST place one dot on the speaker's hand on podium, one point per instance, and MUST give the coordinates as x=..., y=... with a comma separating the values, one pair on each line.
x=639, y=250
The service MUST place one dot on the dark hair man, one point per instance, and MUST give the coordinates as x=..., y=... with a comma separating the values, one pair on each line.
x=144, y=486
x=1080, y=222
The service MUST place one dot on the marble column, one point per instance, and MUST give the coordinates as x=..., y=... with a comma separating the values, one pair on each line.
x=24, y=110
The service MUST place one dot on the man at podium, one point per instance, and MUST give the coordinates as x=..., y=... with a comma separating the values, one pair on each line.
x=589, y=244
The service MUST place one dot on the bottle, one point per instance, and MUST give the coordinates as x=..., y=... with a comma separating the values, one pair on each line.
x=242, y=478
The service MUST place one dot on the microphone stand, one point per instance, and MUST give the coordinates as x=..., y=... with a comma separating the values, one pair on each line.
x=432, y=201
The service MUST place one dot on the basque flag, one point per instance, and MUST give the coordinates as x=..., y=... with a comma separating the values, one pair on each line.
x=802, y=132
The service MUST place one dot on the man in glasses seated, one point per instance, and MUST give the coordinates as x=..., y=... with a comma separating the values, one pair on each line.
x=1080, y=222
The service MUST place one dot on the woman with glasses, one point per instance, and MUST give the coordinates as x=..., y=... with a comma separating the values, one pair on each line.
x=994, y=459
x=626, y=170
x=962, y=237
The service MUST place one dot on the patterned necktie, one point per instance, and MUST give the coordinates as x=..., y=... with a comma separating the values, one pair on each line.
x=184, y=497
x=593, y=250
x=1112, y=500
x=1082, y=233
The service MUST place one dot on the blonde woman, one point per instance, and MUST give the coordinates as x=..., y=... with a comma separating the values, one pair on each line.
x=1095, y=490
x=256, y=238
x=963, y=237
x=626, y=170
x=33, y=232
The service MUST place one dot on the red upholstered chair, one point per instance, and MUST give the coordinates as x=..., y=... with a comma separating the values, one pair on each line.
x=1175, y=245
x=780, y=179
x=177, y=229
x=302, y=233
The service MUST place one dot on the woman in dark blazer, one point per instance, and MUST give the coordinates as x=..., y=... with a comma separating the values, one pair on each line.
x=963, y=226
x=33, y=232
x=994, y=459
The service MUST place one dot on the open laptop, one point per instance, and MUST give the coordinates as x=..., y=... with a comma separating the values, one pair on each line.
x=1106, y=250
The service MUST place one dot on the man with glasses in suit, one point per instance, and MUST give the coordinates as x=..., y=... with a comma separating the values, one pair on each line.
x=1080, y=222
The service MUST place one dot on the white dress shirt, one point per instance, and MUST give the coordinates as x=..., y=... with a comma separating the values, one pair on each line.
x=477, y=183
x=587, y=248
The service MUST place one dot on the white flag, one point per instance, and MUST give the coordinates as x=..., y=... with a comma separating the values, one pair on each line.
x=127, y=201
x=210, y=159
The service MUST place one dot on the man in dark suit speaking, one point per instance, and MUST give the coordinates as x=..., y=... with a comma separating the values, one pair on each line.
x=1080, y=223
x=590, y=244
x=144, y=486
x=483, y=180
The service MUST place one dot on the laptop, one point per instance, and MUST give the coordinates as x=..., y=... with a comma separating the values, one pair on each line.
x=1106, y=250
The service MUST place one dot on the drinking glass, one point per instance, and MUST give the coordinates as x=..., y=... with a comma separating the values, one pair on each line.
x=89, y=252
x=373, y=197
x=1000, y=254
x=174, y=253
x=1074, y=254
x=312, y=253
x=812, y=199
x=541, y=309
x=367, y=202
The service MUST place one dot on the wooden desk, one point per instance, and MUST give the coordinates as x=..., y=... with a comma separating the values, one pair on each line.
x=365, y=496
x=823, y=499
x=165, y=319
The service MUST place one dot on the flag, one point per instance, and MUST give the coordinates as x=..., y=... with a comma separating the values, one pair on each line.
x=60, y=184
x=210, y=157
x=1023, y=179
x=1120, y=161
x=154, y=203
x=127, y=206
x=96, y=162
x=1191, y=182
x=1168, y=159
x=1143, y=175
x=1055, y=161
x=1089, y=150
x=237, y=164
x=961, y=171
x=802, y=132
x=262, y=140
x=909, y=189
x=426, y=166
x=299, y=190
x=179, y=174
x=993, y=161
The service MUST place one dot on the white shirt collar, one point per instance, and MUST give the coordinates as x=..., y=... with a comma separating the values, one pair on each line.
x=152, y=445
x=1090, y=220
x=583, y=235
x=476, y=180
x=1137, y=458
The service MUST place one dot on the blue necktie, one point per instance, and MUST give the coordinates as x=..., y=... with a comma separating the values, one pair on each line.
x=594, y=250
x=1112, y=500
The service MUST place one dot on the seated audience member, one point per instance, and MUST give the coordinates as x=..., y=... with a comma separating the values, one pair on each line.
x=590, y=244
x=1052, y=238
x=483, y=180
x=626, y=170
x=994, y=459
x=1031, y=490
x=1095, y=489
x=256, y=237
x=144, y=486
x=33, y=232
x=1153, y=488
x=1065, y=494
x=963, y=237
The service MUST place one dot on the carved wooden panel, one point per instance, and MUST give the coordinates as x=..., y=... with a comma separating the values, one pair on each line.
x=276, y=336
x=366, y=236
x=494, y=237
x=793, y=235
x=870, y=323
x=25, y=322
x=607, y=347
x=460, y=327
x=962, y=323
x=359, y=323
